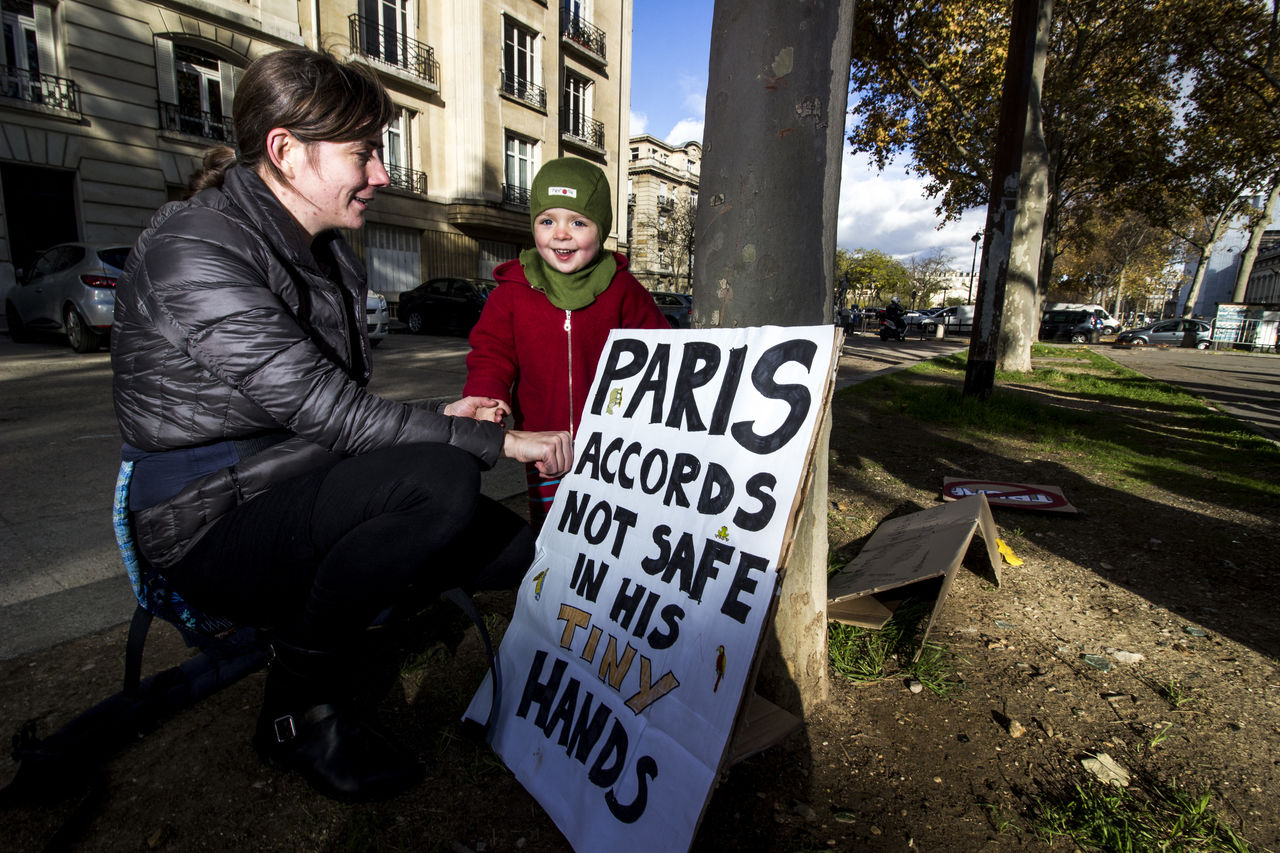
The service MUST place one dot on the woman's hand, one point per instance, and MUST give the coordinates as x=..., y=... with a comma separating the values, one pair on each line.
x=479, y=408
x=551, y=452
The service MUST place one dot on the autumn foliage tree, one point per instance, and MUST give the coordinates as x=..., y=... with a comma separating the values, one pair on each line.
x=1116, y=106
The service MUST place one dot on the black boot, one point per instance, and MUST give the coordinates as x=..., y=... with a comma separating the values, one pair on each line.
x=307, y=726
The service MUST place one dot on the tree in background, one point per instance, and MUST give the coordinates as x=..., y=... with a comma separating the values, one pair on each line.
x=672, y=235
x=1128, y=262
x=927, y=275
x=870, y=277
x=928, y=75
x=679, y=242
x=1232, y=49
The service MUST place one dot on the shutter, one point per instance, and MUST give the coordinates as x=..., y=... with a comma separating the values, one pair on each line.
x=227, y=78
x=44, y=40
x=166, y=82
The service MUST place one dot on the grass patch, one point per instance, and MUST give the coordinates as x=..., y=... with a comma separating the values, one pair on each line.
x=1137, y=819
x=1134, y=433
x=866, y=655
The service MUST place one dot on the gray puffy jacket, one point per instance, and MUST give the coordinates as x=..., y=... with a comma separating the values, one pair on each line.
x=226, y=328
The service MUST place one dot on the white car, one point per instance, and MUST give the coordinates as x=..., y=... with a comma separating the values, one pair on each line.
x=379, y=318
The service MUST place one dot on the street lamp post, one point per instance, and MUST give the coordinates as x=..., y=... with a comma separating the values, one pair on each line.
x=976, y=238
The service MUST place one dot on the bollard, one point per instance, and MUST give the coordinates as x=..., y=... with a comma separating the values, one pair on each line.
x=939, y=331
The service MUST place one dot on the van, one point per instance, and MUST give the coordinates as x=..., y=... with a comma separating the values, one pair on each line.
x=1108, y=325
x=956, y=318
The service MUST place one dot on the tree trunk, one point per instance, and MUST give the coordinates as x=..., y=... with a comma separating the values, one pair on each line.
x=1020, y=324
x=1255, y=239
x=1007, y=224
x=1202, y=266
x=778, y=88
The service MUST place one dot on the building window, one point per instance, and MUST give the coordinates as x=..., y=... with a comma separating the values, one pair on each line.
x=520, y=64
x=30, y=70
x=577, y=98
x=397, y=153
x=382, y=30
x=390, y=24
x=22, y=42
x=635, y=153
x=575, y=116
x=196, y=90
x=521, y=164
x=576, y=26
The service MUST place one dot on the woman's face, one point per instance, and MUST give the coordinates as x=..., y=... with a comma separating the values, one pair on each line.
x=566, y=240
x=335, y=182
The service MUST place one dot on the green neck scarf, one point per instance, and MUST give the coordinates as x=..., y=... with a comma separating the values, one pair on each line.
x=574, y=290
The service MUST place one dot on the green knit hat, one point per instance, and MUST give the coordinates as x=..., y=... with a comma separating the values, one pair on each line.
x=575, y=185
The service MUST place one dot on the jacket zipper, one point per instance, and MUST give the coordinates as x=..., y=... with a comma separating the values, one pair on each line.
x=568, y=331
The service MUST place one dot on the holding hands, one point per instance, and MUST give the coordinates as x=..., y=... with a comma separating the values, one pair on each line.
x=480, y=409
x=551, y=452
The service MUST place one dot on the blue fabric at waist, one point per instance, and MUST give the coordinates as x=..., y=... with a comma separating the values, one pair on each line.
x=159, y=475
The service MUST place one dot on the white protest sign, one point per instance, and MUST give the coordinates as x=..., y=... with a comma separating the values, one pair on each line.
x=635, y=630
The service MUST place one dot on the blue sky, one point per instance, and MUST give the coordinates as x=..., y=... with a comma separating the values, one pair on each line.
x=886, y=211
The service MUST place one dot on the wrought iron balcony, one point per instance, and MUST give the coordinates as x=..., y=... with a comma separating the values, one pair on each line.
x=514, y=194
x=521, y=89
x=585, y=130
x=369, y=38
x=666, y=202
x=177, y=119
x=408, y=179
x=44, y=89
x=581, y=33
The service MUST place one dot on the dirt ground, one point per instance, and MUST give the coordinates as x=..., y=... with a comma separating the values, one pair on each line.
x=1175, y=600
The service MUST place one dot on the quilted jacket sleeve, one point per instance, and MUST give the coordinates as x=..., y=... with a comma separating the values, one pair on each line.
x=208, y=291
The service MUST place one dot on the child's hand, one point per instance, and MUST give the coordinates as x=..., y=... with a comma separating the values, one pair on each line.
x=479, y=408
x=551, y=452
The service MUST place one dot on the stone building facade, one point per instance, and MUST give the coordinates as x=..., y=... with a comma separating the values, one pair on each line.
x=662, y=198
x=106, y=107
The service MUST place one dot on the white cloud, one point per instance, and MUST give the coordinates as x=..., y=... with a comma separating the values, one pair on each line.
x=686, y=130
x=889, y=211
x=636, y=123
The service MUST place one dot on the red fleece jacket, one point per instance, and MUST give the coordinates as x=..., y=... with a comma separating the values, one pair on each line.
x=546, y=354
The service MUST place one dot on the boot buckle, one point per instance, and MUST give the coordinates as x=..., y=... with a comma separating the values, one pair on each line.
x=284, y=728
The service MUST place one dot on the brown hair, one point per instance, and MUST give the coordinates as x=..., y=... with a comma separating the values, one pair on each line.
x=314, y=96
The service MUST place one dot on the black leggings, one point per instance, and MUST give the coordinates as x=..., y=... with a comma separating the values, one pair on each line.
x=319, y=557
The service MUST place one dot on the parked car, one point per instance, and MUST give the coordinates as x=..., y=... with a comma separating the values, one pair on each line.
x=379, y=319
x=1168, y=332
x=448, y=305
x=1079, y=327
x=676, y=307
x=70, y=288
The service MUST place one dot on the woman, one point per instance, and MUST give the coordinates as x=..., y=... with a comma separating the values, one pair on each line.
x=269, y=486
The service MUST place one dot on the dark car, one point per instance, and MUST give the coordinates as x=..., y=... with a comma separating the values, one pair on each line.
x=1079, y=327
x=676, y=307
x=448, y=305
x=70, y=288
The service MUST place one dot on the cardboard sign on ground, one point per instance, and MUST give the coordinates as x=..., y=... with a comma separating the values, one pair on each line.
x=627, y=669
x=1008, y=495
x=913, y=556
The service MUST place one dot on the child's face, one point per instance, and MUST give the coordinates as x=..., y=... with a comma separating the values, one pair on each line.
x=567, y=240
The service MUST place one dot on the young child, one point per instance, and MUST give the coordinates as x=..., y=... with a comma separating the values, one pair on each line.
x=544, y=326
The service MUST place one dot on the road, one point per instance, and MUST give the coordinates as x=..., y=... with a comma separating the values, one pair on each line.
x=60, y=572
x=1244, y=385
